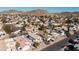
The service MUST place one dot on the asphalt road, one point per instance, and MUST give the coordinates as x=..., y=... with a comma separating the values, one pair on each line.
x=57, y=46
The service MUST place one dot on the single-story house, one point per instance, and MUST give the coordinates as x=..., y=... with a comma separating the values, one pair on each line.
x=2, y=45
x=16, y=33
x=35, y=37
x=25, y=43
x=2, y=33
x=50, y=38
x=10, y=43
x=54, y=34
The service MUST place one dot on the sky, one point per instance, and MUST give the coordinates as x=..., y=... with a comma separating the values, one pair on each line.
x=49, y=9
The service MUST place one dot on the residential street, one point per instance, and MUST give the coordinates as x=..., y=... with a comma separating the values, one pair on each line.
x=57, y=46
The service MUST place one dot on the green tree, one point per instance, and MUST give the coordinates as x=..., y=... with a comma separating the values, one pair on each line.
x=42, y=28
x=36, y=44
x=67, y=34
x=24, y=27
x=7, y=28
x=3, y=20
x=17, y=45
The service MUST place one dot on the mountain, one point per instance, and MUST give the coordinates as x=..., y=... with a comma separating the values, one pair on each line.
x=69, y=13
x=37, y=12
x=11, y=12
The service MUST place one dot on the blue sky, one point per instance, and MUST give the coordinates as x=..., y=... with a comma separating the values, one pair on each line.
x=49, y=9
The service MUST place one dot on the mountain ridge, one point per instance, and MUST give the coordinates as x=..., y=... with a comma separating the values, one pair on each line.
x=38, y=12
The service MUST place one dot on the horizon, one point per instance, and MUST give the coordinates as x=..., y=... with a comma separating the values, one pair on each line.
x=49, y=9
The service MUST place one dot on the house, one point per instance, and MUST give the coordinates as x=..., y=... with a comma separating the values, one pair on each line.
x=64, y=27
x=63, y=33
x=34, y=37
x=50, y=38
x=29, y=29
x=2, y=33
x=10, y=43
x=16, y=33
x=55, y=34
x=17, y=27
x=1, y=25
x=2, y=45
x=73, y=28
x=25, y=43
x=78, y=26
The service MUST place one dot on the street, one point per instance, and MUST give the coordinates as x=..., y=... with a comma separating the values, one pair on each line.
x=57, y=46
